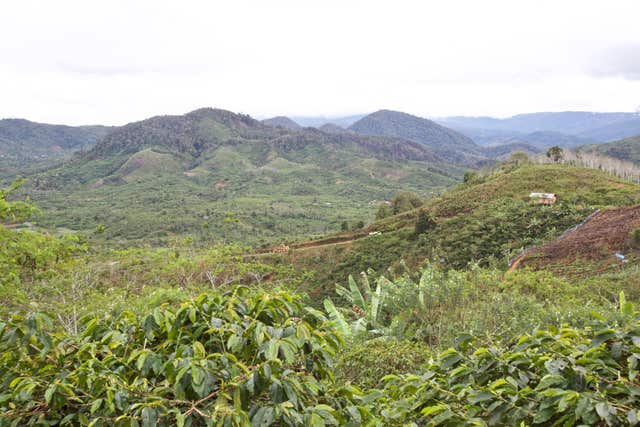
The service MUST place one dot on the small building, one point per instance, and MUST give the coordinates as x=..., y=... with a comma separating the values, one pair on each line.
x=544, y=198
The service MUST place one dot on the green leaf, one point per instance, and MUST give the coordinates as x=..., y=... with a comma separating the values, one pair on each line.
x=198, y=350
x=263, y=417
x=96, y=405
x=271, y=350
x=179, y=419
x=48, y=394
x=337, y=318
x=149, y=417
x=478, y=396
x=433, y=410
x=357, y=296
x=602, y=336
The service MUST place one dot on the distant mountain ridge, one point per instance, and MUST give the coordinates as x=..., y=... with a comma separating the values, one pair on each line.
x=450, y=145
x=25, y=144
x=589, y=125
x=317, y=121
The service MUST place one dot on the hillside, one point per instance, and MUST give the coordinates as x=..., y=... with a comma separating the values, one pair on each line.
x=281, y=121
x=487, y=220
x=187, y=174
x=331, y=128
x=625, y=149
x=446, y=143
x=25, y=144
x=591, y=246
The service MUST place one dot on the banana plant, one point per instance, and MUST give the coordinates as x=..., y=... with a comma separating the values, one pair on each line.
x=367, y=307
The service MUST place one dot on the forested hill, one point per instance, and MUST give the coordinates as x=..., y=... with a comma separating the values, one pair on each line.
x=448, y=144
x=187, y=173
x=282, y=121
x=625, y=149
x=199, y=131
x=25, y=144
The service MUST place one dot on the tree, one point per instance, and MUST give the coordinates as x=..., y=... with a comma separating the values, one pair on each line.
x=405, y=201
x=555, y=153
x=518, y=158
x=469, y=176
x=344, y=226
x=424, y=223
x=358, y=225
x=384, y=210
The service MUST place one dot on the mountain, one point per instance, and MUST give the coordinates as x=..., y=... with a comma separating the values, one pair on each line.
x=316, y=121
x=331, y=128
x=568, y=122
x=546, y=139
x=625, y=149
x=281, y=121
x=25, y=144
x=215, y=174
x=614, y=131
x=483, y=136
x=539, y=139
x=448, y=144
x=597, y=127
x=502, y=151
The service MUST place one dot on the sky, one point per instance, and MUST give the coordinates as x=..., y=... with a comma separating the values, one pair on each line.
x=113, y=62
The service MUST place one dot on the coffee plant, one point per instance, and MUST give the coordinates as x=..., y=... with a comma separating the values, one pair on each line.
x=224, y=360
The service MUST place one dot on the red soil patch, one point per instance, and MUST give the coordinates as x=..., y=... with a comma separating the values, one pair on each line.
x=596, y=240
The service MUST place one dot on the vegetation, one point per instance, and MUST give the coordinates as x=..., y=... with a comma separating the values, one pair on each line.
x=401, y=202
x=429, y=328
x=626, y=149
x=555, y=153
x=447, y=144
x=224, y=359
x=27, y=146
x=181, y=175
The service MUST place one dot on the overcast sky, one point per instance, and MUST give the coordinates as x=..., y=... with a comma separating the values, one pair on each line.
x=112, y=62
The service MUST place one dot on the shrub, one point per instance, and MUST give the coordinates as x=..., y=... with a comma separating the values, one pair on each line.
x=232, y=358
x=365, y=364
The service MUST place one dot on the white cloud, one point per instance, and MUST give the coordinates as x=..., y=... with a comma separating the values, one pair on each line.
x=118, y=61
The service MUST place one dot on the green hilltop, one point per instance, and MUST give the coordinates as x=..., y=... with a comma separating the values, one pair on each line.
x=487, y=220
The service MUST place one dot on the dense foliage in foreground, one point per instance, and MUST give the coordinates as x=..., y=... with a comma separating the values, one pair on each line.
x=244, y=358
x=222, y=359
